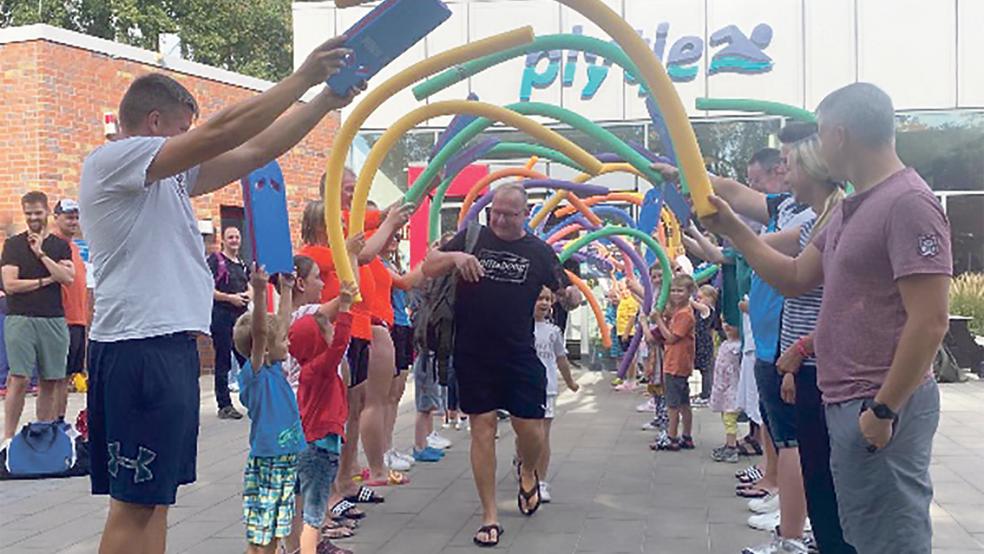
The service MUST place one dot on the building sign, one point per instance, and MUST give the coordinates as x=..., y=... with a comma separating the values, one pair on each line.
x=733, y=52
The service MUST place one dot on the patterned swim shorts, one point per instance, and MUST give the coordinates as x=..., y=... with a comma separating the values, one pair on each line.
x=268, y=497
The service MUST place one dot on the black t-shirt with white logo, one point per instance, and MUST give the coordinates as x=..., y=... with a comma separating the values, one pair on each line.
x=44, y=302
x=494, y=317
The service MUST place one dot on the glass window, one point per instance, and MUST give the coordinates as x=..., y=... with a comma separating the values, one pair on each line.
x=727, y=145
x=412, y=148
x=946, y=148
x=967, y=231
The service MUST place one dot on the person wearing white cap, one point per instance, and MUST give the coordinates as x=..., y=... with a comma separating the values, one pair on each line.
x=75, y=299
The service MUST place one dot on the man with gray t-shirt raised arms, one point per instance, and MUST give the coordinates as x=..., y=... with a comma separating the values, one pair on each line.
x=885, y=263
x=153, y=289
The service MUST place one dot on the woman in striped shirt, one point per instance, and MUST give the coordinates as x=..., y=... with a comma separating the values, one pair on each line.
x=811, y=184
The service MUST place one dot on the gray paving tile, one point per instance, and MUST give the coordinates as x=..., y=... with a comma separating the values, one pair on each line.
x=611, y=494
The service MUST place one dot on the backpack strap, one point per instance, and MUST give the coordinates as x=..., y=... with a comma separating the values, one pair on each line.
x=472, y=234
x=222, y=270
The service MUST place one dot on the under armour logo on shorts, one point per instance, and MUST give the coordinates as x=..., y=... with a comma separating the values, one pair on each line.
x=929, y=245
x=140, y=465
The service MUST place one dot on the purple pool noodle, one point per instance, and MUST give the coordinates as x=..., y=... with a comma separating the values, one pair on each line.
x=465, y=157
x=647, y=296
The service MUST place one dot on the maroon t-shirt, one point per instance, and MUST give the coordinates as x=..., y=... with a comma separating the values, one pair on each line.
x=892, y=230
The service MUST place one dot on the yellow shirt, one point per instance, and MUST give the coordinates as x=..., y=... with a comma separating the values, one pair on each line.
x=625, y=315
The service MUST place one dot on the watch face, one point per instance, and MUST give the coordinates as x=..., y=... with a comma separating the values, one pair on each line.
x=882, y=411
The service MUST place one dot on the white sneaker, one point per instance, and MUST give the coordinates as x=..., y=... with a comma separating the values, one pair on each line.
x=650, y=426
x=437, y=441
x=764, y=522
x=544, y=492
x=764, y=505
x=405, y=456
x=647, y=406
x=395, y=462
x=779, y=546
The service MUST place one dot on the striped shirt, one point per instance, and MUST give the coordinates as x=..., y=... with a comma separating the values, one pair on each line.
x=799, y=314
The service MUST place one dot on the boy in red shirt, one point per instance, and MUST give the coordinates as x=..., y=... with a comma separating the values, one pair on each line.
x=318, y=345
x=678, y=360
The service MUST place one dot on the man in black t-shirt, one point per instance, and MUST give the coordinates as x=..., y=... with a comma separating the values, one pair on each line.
x=230, y=299
x=34, y=265
x=495, y=357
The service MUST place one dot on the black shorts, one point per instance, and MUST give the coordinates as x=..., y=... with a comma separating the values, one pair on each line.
x=779, y=416
x=677, y=391
x=518, y=386
x=143, y=404
x=403, y=344
x=358, y=361
x=76, y=349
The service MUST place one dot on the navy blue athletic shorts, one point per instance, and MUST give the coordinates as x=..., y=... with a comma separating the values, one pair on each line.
x=143, y=404
x=779, y=416
x=517, y=385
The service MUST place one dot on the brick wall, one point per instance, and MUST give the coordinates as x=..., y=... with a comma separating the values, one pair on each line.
x=53, y=99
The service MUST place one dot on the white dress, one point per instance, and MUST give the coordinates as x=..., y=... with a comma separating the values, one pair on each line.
x=748, y=397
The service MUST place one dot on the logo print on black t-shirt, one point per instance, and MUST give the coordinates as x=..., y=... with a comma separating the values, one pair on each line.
x=504, y=267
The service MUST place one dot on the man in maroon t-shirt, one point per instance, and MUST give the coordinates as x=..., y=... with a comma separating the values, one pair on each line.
x=885, y=263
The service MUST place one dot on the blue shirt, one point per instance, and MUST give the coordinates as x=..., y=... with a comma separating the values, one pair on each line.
x=272, y=409
x=400, y=315
x=332, y=443
x=765, y=302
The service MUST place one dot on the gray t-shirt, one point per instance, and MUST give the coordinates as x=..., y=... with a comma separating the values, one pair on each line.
x=145, y=247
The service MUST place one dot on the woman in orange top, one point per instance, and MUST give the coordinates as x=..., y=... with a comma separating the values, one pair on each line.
x=366, y=365
x=382, y=356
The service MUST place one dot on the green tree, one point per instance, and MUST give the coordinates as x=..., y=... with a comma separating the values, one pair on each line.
x=252, y=37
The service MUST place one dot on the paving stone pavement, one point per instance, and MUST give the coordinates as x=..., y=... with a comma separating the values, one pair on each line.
x=611, y=494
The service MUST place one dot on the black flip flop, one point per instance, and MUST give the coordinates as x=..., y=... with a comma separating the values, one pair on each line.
x=528, y=495
x=365, y=496
x=752, y=492
x=343, y=510
x=487, y=529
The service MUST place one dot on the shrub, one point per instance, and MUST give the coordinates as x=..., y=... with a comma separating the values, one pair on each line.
x=967, y=299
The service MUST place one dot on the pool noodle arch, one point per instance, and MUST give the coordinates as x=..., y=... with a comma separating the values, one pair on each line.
x=486, y=199
x=664, y=262
x=628, y=45
x=756, y=106
x=472, y=107
x=595, y=131
x=373, y=99
x=487, y=181
x=606, y=335
x=649, y=68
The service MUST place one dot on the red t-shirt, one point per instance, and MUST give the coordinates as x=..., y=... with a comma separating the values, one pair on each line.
x=321, y=396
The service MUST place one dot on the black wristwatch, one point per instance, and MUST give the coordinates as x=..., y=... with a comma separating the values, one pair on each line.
x=880, y=410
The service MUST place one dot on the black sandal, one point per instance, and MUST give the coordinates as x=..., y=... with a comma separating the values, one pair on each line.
x=749, y=447
x=528, y=495
x=345, y=510
x=365, y=496
x=488, y=529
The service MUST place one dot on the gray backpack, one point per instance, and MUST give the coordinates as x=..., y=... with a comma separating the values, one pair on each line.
x=433, y=325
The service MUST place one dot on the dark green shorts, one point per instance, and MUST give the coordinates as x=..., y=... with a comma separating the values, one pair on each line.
x=36, y=342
